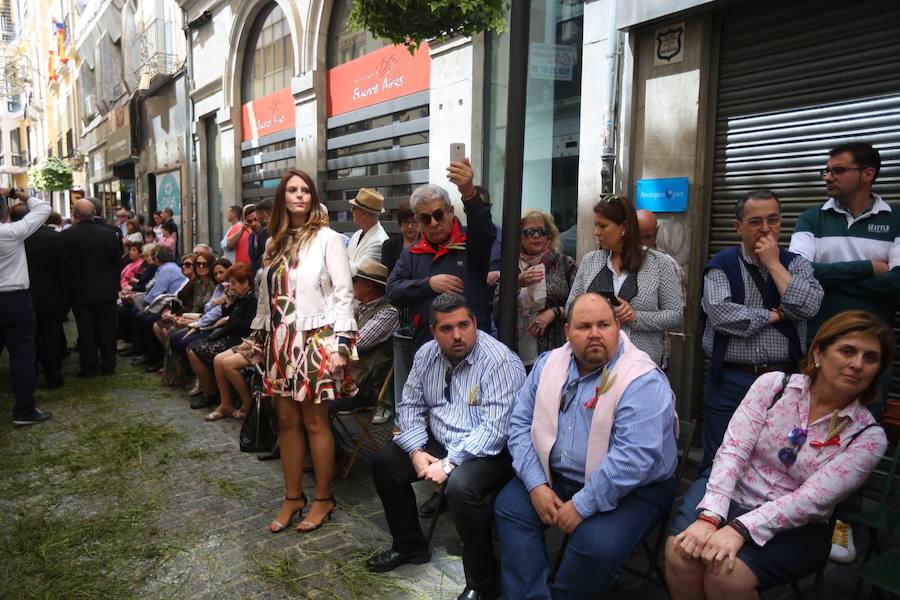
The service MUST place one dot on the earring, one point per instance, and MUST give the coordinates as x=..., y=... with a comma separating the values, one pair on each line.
x=816, y=365
x=623, y=234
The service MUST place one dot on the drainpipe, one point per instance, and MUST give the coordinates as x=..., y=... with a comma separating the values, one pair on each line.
x=610, y=110
x=189, y=154
x=519, y=21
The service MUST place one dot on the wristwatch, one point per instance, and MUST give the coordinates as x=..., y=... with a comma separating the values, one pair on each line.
x=447, y=466
x=711, y=517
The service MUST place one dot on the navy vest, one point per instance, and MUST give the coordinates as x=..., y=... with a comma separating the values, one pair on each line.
x=729, y=262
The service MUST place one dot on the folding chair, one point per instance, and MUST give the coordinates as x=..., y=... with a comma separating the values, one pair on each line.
x=882, y=572
x=686, y=430
x=365, y=437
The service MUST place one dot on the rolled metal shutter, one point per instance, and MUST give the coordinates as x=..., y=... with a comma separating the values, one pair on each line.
x=794, y=80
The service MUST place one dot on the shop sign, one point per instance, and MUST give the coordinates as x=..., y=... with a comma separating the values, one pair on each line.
x=379, y=76
x=267, y=115
x=552, y=61
x=669, y=42
x=662, y=195
x=168, y=192
x=118, y=138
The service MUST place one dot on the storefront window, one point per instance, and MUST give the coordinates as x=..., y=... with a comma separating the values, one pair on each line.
x=270, y=64
x=553, y=111
x=344, y=43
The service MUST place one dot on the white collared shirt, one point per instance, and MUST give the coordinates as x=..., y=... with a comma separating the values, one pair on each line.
x=13, y=263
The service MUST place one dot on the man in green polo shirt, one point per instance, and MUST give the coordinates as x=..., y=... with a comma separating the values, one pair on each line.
x=853, y=241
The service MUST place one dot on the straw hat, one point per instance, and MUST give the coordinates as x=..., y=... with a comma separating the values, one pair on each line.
x=373, y=271
x=369, y=200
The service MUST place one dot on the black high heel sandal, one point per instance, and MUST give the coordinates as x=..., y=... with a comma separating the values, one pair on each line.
x=307, y=526
x=277, y=526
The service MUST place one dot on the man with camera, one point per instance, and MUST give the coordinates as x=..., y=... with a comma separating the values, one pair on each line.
x=17, y=324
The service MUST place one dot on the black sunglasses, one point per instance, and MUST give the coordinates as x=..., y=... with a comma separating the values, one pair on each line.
x=533, y=232
x=201, y=264
x=448, y=377
x=437, y=215
x=187, y=264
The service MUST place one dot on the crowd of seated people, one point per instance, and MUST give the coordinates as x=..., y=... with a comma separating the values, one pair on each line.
x=560, y=432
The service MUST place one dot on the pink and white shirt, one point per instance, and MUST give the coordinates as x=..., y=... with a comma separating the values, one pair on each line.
x=747, y=471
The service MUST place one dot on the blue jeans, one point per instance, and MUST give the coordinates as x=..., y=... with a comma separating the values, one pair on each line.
x=720, y=400
x=595, y=550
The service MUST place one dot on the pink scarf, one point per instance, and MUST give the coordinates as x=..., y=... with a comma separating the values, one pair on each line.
x=631, y=364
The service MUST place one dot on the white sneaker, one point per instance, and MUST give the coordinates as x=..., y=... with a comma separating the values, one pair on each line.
x=382, y=415
x=842, y=549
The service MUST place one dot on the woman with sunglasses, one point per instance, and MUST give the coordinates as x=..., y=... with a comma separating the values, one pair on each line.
x=305, y=334
x=192, y=327
x=795, y=447
x=193, y=296
x=410, y=230
x=640, y=282
x=545, y=278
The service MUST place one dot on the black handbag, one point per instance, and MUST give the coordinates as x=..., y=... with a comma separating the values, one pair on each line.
x=259, y=433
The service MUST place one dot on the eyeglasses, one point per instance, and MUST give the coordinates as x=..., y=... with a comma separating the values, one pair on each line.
x=758, y=222
x=533, y=232
x=795, y=439
x=408, y=222
x=201, y=264
x=838, y=171
x=425, y=218
x=448, y=377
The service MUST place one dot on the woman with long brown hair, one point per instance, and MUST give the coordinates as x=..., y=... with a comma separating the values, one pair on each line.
x=306, y=335
x=640, y=282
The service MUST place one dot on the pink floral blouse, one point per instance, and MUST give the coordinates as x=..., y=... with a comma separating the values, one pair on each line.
x=747, y=470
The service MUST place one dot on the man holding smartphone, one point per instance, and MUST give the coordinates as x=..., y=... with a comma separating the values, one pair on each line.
x=17, y=322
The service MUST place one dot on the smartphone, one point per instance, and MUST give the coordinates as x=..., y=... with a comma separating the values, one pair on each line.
x=611, y=297
x=457, y=152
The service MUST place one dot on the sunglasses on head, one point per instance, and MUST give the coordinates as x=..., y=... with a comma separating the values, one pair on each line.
x=425, y=218
x=533, y=232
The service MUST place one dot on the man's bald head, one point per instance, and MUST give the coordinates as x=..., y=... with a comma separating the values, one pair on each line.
x=648, y=227
x=83, y=210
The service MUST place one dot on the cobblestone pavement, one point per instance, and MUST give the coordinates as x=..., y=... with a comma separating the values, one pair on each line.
x=127, y=493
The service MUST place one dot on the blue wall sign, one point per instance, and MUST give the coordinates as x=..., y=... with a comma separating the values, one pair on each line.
x=662, y=195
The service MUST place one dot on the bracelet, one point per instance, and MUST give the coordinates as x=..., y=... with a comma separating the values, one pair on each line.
x=711, y=520
x=741, y=529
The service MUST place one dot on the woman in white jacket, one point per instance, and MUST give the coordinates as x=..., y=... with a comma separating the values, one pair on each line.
x=306, y=334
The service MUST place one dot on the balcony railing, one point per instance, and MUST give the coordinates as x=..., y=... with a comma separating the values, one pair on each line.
x=158, y=59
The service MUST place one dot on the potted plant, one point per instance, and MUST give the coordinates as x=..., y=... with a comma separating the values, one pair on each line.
x=411, y=22
x=52, y=175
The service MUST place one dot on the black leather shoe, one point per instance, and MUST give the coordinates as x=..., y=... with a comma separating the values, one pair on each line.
x=202, y=402
x=127, y=352
x=473, y=594
x=139, y=359
x=391, y=559
x=426, y=511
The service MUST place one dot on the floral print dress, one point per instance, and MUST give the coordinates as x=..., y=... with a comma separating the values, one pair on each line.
x=296, y=361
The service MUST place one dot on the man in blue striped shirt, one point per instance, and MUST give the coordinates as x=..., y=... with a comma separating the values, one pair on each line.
x=592, y=436
x=453, y=419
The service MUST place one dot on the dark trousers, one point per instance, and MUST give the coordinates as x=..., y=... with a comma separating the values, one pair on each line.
x=96, y=333
x=142, y=336
x=17, y=335
x=124, y=322
x=468, y=490
x=720, y=399
x=51, y=344
x=595, y=551
x=180, y=344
